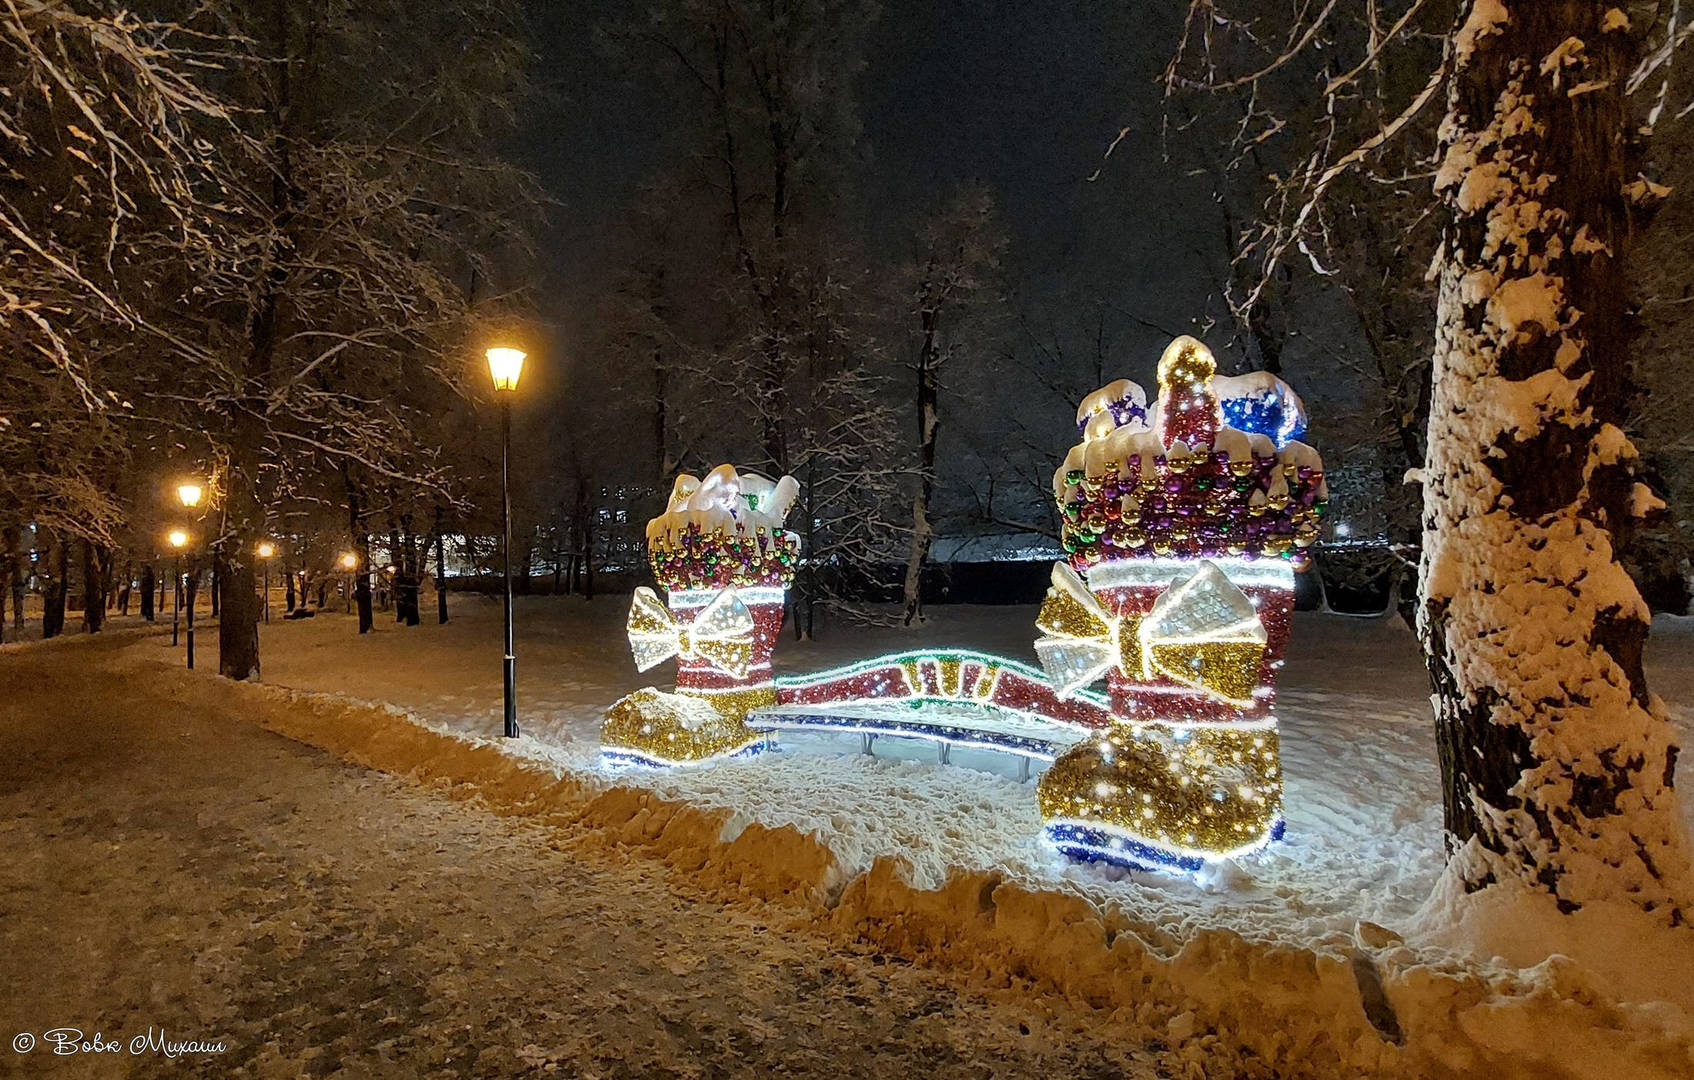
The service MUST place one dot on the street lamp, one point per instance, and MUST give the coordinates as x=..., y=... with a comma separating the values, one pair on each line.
x=350, y=563
x=266, y=549
x=177, y=538
x=504, y=367
x=190, y=493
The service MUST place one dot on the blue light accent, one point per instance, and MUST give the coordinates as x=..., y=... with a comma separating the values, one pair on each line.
x=1098, y=845
x=618, y=760
x=1124, y=411
x=1116, y=848
x=1264, y=414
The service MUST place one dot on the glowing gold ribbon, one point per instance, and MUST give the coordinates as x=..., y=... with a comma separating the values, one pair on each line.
x=721, y=634
x=1201, y=632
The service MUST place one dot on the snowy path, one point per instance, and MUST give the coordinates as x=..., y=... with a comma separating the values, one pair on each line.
x=171, y=867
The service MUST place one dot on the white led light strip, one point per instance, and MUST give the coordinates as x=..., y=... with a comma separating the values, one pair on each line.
x=1272, y=573
x=839, y=708
x=1267, y=723
x=1188, y=691
x=756, y=594
x=738, y=688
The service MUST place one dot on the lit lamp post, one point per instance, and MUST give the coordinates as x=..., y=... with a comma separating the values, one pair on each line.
x=190, y=495
x=350, y=562
x=177, y=538
x=266, y=549
x=504, y=367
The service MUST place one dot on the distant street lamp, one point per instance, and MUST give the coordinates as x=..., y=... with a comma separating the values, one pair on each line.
x=190, y=493
x=266, y=550
x=350, y=562
x=177, y=538
x=504, y=367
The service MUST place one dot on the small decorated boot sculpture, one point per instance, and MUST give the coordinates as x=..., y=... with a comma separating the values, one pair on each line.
x=725, y=561
x=1183, y=528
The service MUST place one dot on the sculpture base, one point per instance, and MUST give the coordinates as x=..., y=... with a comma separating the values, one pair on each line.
x=1092, y=842
x=1165, y=796
x=655, y=728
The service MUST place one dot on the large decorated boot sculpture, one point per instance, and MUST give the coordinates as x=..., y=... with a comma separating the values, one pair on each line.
x=725, y=561
x=1182, y=530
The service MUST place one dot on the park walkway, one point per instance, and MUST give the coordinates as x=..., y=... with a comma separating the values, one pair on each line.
x=172, y=869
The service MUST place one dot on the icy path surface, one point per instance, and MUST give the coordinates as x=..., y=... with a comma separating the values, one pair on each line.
x=169, y=867
x=1363, y=795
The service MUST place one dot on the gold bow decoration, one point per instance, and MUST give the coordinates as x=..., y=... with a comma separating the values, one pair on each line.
x=721, y=634
x=1081, y=640
x=1201, y=632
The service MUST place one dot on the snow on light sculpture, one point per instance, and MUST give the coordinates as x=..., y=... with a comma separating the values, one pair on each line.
x=1183, y=527
x=725, y=562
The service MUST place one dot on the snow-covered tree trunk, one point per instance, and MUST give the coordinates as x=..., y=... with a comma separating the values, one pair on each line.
x=1557, y=762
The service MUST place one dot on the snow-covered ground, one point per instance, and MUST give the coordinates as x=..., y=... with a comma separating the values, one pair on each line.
x=1315, y=952
x=1362, y=785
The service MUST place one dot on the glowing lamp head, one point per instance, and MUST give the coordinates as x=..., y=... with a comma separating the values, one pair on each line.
x=350, y=561
x=189, y=494
x=177, y=538
x=504, y=367
x=266, y=549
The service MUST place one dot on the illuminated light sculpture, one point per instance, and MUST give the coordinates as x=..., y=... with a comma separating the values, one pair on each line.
x=951, y=697
x=725, y=561
x=1182, y=536
x=1184, y=524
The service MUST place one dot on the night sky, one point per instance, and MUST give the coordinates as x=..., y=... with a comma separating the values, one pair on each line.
x=1022, y=96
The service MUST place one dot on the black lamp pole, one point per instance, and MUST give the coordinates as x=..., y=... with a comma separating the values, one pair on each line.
x=511, y=728
x=176, y=601
x=189, y=598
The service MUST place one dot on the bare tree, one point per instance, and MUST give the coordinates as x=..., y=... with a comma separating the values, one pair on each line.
x=953, y=292
x=373, y=184
x=760, y=324
x=1558, y=763
x=111, y=144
